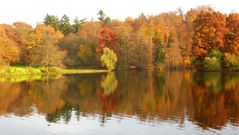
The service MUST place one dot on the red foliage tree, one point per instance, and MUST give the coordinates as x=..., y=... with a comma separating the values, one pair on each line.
x=107, y=38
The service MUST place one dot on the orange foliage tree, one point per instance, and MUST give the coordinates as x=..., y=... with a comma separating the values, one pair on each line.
x=9, y=51
x=232, y=35
x=208, y=35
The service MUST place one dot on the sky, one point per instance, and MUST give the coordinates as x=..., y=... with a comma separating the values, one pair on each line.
x=34, y=11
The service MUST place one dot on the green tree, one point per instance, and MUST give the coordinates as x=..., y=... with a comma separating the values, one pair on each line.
x=52, y=20
x=64, y=25
x=103, y=18
x=101, y=15
x=159, y=50
x=78, y=24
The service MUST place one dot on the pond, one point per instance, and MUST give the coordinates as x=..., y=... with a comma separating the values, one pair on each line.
x=121, y=103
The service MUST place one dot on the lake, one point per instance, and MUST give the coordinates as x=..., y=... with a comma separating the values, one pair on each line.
x=121, y=103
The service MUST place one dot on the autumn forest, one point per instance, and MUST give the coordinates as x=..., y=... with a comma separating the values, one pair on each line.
x=202, y=39
x=167, y=70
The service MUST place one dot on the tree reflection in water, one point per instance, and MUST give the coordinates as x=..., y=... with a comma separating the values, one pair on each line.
x=210, y=100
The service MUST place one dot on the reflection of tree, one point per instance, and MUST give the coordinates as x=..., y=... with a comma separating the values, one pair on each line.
x=9, y=94
x=210, y=100
x=20, y=97
x=64, y=113
x=231, y=93
x=211, y=80
x=209, y=108
x=109, y=83
x=107, y=96
x=214, y=100
x=47, y=94
x=160, y=82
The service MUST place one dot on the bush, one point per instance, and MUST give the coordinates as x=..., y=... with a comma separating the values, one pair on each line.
x=215, y=53
x=231, y=61
x=212, y=64
x=109, y=58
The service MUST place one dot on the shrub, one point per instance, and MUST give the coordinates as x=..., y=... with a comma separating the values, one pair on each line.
x=215, y=53
x=212, y=64
x=231, y=61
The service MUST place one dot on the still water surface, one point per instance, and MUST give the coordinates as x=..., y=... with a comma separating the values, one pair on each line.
x=122, y=103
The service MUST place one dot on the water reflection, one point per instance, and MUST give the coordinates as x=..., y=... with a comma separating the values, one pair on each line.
x=210, y=100
x=109, y=84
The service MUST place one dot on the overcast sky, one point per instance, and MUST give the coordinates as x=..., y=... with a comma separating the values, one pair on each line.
x=33, y=11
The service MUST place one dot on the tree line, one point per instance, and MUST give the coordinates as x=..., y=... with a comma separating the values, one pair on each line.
x=201, y=38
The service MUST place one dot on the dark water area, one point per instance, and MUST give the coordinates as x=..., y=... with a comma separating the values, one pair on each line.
x=122, y=103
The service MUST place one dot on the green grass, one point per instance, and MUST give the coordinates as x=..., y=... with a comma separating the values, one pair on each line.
x=43, y=71
x=19, y=74
x=82, y=71
x=21, y=78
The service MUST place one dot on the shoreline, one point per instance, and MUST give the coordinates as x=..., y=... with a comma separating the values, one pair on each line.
x=14, y=71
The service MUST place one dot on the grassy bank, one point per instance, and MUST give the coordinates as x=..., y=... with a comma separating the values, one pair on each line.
x=82, y=71
x=42, y=71
x=21, y=78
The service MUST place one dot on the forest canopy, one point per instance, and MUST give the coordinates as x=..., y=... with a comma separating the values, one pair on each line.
x=202, y=38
